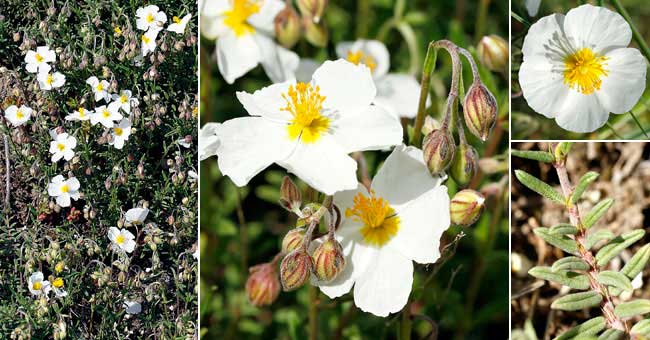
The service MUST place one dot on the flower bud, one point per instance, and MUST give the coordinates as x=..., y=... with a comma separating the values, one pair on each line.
x=312, y=9
x=480, y=110
x=262, y=285
x=287, y=27
x=328, y=260
x=316, y=34
x=438, y=148
x=295, y=269
x=293, y=240
x=429, y=125
x=290, y=197
x=493, y=52
x=466, y=207
x=463, y=167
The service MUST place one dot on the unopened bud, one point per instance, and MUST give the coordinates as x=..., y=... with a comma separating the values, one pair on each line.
x=438, y=148
x=293, y=240
x=262, y=285
x=463, y=167
x=316, y=34
x=287, y=27
x=493, y=52
x=295, y=269
x=290, y=197
x=480, y=110
x=312, y=9
x=466, y=207
x=328, y=260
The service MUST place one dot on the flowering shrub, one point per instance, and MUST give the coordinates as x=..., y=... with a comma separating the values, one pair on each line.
x=99, y=178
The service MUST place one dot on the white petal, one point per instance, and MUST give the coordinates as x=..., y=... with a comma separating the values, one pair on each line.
x=532, y=7
x=345, y=199
x=214, y=7
x=236, y=56
x=267, y=102
x=422, y=223
x=63, y=200
x=399, y=94
x=263, y=19
x=209, y=142
x=371, y=129
x=540, y=80
x=625, y=81
x=73, y=184
x=249, y=145
x=133, y=307
x=136, y=215
x=372, y=48
x=129, y=245
x=386, y=285
x=581, y=113
x=306, y=69
x=324, y=165
x=546, y=37
x=346, y=87
x=597, y=28
x=278, y=62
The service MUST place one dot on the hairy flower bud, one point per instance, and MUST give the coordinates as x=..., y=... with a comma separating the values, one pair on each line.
x=480, y=110
x=466, y=207
x=463, y=167
x=295, y=269
x=328, y=260
x=293, y=240
x=290, y=197
x=262, y=285
x=438, y=148
x=315, y=33
x=312, y=9
x=493, y=52
x=287, y=27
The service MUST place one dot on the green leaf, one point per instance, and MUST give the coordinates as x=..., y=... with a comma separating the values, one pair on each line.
x=635, y=265
x=584, y=182
x=541, y=156
x=589, y=327
x=563, y=229
x=567, y=278
x=615, y=279
x=617, y=245
x=597, y=212
x=641, y=328
x=577, y=301
x=561, y=241
x=632, y=308
x=611, y=334
x=570, y=263
x=536, y=185
x=600, y=235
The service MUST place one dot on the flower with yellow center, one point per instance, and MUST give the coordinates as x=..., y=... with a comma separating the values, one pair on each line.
x=148, y=44
x=62, y=146
x=80, y=114
x=58, y=284
x=17, y=116
x=48, y=81
x=400, y=219
x=236, y=16
x=120, y=134
x=106, y=115
x=38, y=285
x=308, y=128
x=100, y=88
x=150, y=18
x=178, y=25
x=64, y=190
x=123, y=241
x=577, y=68
x=125, y=100
x=37, y=61
x=358, y=57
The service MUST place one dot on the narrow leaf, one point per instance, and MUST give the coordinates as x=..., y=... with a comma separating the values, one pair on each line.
x=641, y=328
x=541, y=156
x=577, y=301
x=635, y=265
x=589, y=327
x=567, y=278
x=615, y=279
x=561, y=241
x=600, y=235
x=611, y=334
x=570, y=263
x=536, y=185
x=563, y=229
x=584, y=182
x=617, y=245
x=632, y=308
x=597, y=212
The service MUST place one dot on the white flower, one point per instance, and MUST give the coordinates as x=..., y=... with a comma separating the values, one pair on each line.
x=208, y=140
x=178, y=25
x=79, y=114
x=100, y=88
x=532, y=6
x=122, y=240
x=59, y=291
x=17, y=116
x=38, y=59
x=150, y=17
x=125, y=100
x=577, y=68
x=399, y=221
x=244, y=33
x=38, y=285
x=136, y=215
x=63, y=147
x=64, y=189
x=120, y=134
x=132, y=307
x=48, y=81
x=308, y=128
x=106, y=115
x=149, y=42
x=398, y=93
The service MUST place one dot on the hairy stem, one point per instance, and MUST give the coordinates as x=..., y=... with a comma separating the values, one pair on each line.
x=405, y=323
x=243, y=234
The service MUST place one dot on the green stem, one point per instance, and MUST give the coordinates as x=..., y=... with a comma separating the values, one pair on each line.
x=480, y=21
x=614, y=131
x=639, y=124
x=635, y=32
x=519, y=18
x=313, y=312
x=412, y=43
x=363, y=10
x=243, y=234
x=406, y=323
x=429, y=64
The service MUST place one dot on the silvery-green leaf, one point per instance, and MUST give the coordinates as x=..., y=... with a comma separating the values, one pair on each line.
x=597, y=212
x=567, y=278
x=632, y=308
x=641, y=328
x=570, y=263
x=617, y=245
x=584, y=182
x=563, y=229
x=615, y=279
x=611, y=334
x=589, y=327
x=635, y=265
x=536, y=185
x=541, y=156
x=595, y=237
x=577, y=301
x=561, y=241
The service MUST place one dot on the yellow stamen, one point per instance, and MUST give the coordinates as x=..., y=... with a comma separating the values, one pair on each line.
x=58, y=282
x=145, y=39
x=61, y=147
x=305, y=103
x=20, y=114
x=100, y=87
x=119, y=239
x=65, y=188
x=82, y=112
x=176, y=19
x=123, y=99
x=118, y=131
x=360, y=57
x=106, y=113
x=39, y=58
x=59, y=267
x=49, y=80
x=37, y=285
x=380, y=222
x=150, y=18
x=236, y=17
x=117, y=30
x=584, y=70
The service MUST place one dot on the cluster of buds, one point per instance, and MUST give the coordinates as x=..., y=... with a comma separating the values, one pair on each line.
x=290, y=26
